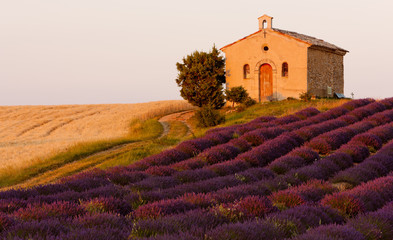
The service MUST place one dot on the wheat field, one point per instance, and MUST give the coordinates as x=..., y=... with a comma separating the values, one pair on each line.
x=29, y=133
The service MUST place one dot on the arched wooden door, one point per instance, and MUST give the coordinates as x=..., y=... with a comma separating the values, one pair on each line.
x=265, y=81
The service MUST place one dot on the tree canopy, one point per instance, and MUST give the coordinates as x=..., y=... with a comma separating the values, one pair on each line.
x=201, y=78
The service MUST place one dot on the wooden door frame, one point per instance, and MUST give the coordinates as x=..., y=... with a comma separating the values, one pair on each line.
x=274, y=80
x=262, y=82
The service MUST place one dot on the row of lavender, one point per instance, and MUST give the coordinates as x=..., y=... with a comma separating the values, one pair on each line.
x=320, y=169
x=253, y=174
x=243, y=175
x=308, y=205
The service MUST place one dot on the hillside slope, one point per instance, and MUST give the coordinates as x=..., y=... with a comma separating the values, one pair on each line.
x=307, y=175
x=141, y=142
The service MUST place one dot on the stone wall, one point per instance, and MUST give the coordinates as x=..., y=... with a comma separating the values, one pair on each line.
x=324, y=69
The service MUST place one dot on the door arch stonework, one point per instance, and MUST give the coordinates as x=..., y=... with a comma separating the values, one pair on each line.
x=274, y=79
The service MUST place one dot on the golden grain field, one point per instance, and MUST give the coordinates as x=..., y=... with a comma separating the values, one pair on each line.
x=31, y=132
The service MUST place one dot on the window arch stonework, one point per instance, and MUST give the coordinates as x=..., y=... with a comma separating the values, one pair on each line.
x=246, y=71
x=285, y=69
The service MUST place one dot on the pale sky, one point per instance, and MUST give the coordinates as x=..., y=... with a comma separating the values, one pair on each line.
x=125, y=51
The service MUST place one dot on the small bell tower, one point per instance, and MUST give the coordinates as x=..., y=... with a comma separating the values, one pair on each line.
x=265, y=22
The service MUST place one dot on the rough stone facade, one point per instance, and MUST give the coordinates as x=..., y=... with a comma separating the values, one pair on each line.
x=324, y=69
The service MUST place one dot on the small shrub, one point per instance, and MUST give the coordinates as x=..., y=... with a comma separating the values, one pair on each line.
x=207, y=116
x=240, y=108
x=236, y=95
x=249, y=102
x=305, y=96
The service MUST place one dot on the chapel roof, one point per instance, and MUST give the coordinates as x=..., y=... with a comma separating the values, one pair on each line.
x=312, y=40
x=315, y=42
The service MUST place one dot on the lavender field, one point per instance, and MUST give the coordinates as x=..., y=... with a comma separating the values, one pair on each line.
x=306, y=176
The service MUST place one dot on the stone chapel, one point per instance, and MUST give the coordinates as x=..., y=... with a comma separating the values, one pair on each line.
x=274, y=64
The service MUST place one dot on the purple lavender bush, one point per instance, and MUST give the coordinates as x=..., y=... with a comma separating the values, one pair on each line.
x=163, y=208
x=107, y=205
x=356, y=151
x=307, y=153
x=122, y=176
x=57, y=210
x=246, y=208
x=375, y=225
x=229, y=167
x=241, y=144
x=298, y=219
x=249, y=230
x=285, y=163
x=333, y=231
x=195, y=175
x=161, y=228
x=192, y=163
x=160, y=170
x=368, y=139
x=384, y=132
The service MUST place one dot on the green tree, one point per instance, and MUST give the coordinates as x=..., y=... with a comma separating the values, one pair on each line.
x=236, y=95
x=201, y=78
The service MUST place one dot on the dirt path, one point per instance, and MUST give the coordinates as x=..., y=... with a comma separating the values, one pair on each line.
x=180, y=116
x=95, y=159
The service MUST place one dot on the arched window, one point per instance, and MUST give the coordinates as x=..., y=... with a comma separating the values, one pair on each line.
x=246, y=71
x=264, y=24
x=285, y=69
